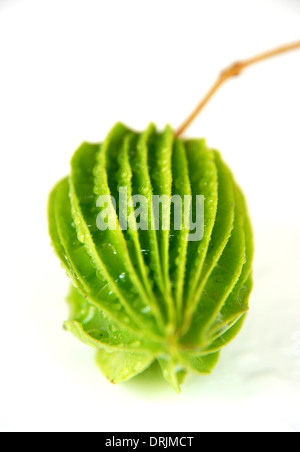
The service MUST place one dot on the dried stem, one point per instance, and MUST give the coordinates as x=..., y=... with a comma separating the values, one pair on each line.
x=233, y=71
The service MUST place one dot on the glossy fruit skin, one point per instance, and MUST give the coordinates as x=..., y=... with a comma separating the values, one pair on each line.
x=143, y=295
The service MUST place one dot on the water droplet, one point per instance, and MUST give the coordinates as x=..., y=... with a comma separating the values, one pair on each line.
x=165, y=373
x=99, y=275
x=178, y=260
x=107, y=247
x=138, y=366
x=81, y=237
x=219, y=318
x=179, y=183
x=96, y=170
x=136, y=344
x=86, y=315
x=113, y=329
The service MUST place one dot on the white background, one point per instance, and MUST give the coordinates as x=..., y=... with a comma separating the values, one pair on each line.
x=69, y=69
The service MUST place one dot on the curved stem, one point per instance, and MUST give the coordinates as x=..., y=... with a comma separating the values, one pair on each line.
x=233, y=71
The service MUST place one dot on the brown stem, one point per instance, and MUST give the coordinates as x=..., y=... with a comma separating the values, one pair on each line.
x=233, y=71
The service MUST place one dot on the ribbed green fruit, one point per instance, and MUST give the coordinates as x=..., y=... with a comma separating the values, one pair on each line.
x=144, y=295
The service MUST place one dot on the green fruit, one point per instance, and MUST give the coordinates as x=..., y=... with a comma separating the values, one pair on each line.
x=140, y=295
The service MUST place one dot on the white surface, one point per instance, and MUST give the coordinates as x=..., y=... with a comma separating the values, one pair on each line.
x=69, y=70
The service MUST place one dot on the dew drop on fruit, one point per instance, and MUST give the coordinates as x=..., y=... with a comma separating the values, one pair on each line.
x=124, y=372
x=136, y=344
x=138, y=366
x=146, y=310
x=81, y=237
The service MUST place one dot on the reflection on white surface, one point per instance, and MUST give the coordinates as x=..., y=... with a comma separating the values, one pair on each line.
x=255, y=386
